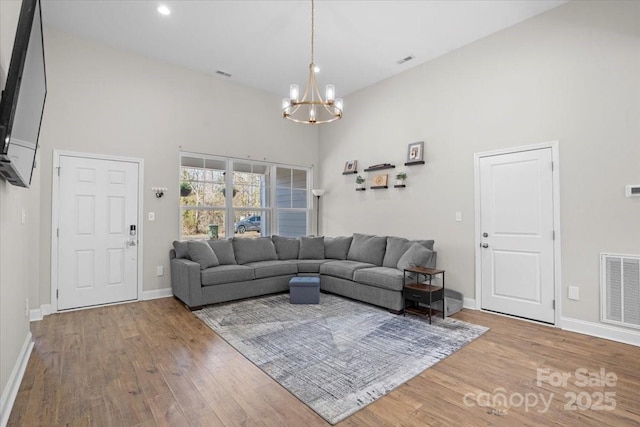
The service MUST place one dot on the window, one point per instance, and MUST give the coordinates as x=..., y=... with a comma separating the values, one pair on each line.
x=223, y=197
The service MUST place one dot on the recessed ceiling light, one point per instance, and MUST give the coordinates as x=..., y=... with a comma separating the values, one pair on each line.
x=164, y=10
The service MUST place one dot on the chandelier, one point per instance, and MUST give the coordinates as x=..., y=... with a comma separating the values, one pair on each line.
x=311, y=108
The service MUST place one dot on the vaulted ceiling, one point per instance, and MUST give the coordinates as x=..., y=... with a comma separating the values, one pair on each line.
x=265, y=44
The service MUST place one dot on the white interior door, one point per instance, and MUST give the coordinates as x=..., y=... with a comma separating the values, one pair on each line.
x=97, y=255
x=517, y=232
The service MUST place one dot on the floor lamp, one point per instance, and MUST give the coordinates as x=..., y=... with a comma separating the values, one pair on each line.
x=318, y=193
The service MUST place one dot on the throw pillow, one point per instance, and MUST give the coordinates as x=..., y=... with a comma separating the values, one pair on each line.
x=224, y=251
x=254, y=250
x=426, y=243
x=311, y=248
x=396, y=247
x=286, y=247
x=416, y=256
x=202, y=253
x=337, y=247
x=181, y=248
x=367, y=248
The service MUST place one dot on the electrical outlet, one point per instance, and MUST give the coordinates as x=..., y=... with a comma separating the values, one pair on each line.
x=458, y=216
x=160, y=270
x=574, y=293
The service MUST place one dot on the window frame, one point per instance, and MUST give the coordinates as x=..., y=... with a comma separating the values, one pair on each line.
x=270, y=211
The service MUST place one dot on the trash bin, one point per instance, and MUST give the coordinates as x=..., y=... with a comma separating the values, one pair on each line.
x=213, y=231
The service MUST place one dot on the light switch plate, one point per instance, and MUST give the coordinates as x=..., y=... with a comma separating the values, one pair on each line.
x=152, y=216
x=458, y=216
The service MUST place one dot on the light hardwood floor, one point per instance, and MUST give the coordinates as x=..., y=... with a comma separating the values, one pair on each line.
x=154, y=363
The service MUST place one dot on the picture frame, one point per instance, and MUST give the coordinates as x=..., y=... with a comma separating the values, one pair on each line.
x=415, y=152
x=351, y=166
x=380, y=180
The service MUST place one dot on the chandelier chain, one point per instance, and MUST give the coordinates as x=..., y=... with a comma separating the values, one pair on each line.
x=312, y=30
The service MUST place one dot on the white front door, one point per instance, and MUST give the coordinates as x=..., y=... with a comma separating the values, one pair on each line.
x=516, y=227
x=97, y=252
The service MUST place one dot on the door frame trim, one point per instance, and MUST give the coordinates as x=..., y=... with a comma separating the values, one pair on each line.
x=557, y=255
x=55, y=195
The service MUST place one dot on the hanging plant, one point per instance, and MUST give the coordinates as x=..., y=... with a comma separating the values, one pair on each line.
x=224, y=192
x=185, y=189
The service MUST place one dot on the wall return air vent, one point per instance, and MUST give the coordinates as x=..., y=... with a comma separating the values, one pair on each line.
x=620, y=286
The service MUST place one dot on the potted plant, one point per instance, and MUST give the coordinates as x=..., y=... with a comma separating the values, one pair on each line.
x=400, y=177
x=185, y=189
x=359, y=181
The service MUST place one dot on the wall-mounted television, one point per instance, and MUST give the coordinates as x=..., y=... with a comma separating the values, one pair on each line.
x=22, y=103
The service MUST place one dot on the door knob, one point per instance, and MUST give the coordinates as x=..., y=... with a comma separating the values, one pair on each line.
x=485, y=245
x=485, y=234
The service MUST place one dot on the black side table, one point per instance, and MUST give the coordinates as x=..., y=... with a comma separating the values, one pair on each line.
x=422, y=295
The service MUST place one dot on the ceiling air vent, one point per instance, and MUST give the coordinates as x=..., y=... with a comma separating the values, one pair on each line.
x=222, y=73
x=406, y=59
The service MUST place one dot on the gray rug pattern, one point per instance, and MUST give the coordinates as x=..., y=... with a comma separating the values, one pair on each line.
x=338, y=356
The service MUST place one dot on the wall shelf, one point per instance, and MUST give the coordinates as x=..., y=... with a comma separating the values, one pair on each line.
x=349, y=173
x=377, y=187
x=380, y=168
x=360, y=189
x=417, y=162
x=399, y=186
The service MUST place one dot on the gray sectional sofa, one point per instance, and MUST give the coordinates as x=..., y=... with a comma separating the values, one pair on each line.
x=363, y=267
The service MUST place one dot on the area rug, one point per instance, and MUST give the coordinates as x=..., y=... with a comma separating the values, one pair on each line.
x=337, y=356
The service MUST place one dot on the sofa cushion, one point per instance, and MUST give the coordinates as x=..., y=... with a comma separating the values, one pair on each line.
x=343, y=269
x=286, y=247
x=311, y=248
x=254, y=250
x=367, y=248
x=264, y=269
x=396, y=247
x=309, y=265
x=416, y=256
x=201, y=252
x=337, y=247
x=426, y=243
x=226, y=274
x=380, y=277
x=224, y=251
x=181, y=248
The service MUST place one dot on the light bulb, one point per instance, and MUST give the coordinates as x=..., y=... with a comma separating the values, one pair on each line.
x=294, y=92
x=286, y=105
x=338, y=105
x=312, y=113
x=331, y=93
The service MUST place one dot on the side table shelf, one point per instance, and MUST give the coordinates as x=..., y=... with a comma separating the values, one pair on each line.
x=421, y=294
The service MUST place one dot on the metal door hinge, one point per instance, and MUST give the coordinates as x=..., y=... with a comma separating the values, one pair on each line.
x=553, y=235
x=57, y=290
x=551, y=165
x=57, y=232
x=59, y=170
x=553, y=304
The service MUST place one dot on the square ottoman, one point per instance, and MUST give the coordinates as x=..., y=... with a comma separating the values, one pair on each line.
x=304, y=290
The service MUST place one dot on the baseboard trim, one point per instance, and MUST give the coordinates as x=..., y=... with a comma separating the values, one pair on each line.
x=36, y=314
x=158, y=293
x=600, y=330
x=13, y=385
x=469, y=303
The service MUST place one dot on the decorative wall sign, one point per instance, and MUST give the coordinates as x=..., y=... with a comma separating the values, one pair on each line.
x=380, y=181
x=350, y=167
x=415, y=154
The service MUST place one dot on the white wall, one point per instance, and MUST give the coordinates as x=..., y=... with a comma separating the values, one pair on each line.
x=102, y=100
x=570, y=75
x=18, y=242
